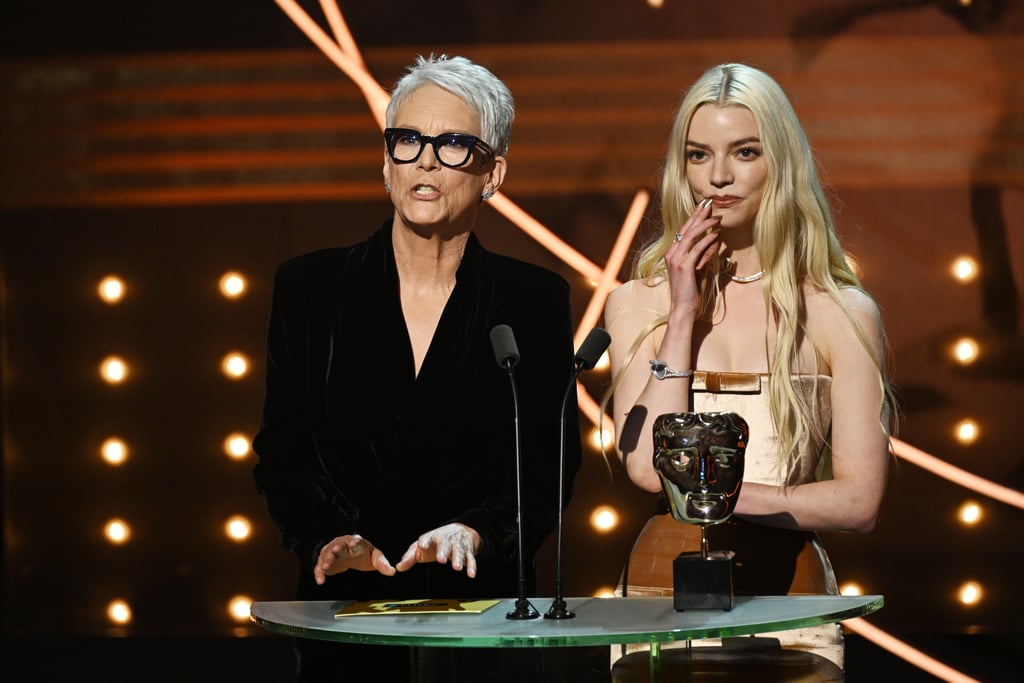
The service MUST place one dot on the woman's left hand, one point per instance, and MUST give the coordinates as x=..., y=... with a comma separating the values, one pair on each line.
x=454, y=543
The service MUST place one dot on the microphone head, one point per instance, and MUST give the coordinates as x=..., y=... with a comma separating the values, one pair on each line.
x=505, y=350
x=592, y=348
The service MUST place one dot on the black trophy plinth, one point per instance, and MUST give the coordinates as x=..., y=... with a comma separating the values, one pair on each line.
x=703, y=580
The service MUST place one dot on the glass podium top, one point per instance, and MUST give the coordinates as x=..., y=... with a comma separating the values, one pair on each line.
x=598, y=621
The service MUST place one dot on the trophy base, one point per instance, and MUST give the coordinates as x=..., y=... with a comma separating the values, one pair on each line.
x=700, y=582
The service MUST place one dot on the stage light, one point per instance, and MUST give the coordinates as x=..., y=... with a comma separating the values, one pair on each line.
x=117, y=531
x=964, y=269
x=237, y=446
x=604, y=518
x=113, y=370
x=111, y=289
x=238, y=528
x=233, y=285
x=114, y=451
x=851, y=588
x=601, y=439
x=238, y=608
x=235, y=365
x=967, y=432
x=965, y=350
x=119, y=612
x=969, y=514
x=854, y=265
x=970, y=593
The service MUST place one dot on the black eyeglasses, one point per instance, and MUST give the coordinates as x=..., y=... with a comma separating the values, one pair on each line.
x=451, y=149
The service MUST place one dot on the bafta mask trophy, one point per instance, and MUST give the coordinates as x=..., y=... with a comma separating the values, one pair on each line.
x=699, y=459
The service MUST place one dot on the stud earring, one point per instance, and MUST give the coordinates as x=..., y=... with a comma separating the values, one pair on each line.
x=487, y=194
x=387, y=187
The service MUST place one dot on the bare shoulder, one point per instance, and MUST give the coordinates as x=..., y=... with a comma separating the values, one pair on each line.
x=857, y=302
x=638, y=295
x=833, y=323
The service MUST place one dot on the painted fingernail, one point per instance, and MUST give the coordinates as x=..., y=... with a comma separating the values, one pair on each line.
x=706, y=202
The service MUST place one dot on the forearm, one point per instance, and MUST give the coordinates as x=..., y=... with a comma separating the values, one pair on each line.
x=304, y=510
x=817, y=506
x=657, y=397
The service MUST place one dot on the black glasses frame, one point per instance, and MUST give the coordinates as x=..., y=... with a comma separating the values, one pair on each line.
x=392, y=134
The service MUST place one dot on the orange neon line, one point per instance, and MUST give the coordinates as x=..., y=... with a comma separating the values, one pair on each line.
x=341, y=33
x=375, y=95
x=590, y=407
x=608, y=280
x=956, y=475
x=904, y=651
x=545, y=237
x=613, y=265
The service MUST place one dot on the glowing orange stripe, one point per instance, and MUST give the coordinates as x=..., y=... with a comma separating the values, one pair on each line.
x=956, y=475
x=341, y=32
x=906, y=652
x=375, y=95
x=608, y=279
x=545, y=237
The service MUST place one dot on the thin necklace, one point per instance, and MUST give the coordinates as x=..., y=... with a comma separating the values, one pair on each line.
x=727, y=266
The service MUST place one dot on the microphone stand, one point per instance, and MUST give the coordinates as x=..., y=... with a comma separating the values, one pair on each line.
x=559, y=609
x=523, y=610
x=587, y=356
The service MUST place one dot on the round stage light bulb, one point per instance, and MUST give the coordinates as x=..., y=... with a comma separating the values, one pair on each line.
x=232, y=285
x=119, y=612
x=113, y=370
x=235, y=365
x=604, y=518
x=965, y=350
x=237, y=446
x=111, y=289
x=964, y=269
x=967, y=432
x=238, y=608
x=238, y=528
x=117, y=531
x=970, y=513
x=970, y=593
x=114, y=451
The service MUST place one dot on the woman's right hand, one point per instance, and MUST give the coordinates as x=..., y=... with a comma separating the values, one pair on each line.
x=351, y=551
x=696, y=244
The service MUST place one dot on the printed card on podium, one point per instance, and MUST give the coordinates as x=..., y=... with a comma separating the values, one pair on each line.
x=421, y=606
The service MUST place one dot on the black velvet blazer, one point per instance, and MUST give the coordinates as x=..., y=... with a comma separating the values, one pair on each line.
x=351, y=441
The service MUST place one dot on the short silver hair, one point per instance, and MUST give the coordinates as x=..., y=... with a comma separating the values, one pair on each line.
x=485, y=93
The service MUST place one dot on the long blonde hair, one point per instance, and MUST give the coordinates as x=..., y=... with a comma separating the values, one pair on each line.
x=793, y=234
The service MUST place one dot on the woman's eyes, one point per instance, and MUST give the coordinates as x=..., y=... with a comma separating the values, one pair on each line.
x=456, y=142
x=741, y=153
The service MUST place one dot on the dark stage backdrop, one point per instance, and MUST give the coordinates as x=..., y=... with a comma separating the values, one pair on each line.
x=175, y=148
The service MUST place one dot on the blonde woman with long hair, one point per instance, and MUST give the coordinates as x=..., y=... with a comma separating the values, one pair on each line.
x=746, y=303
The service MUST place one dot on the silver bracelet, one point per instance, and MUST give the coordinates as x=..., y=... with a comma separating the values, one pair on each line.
x=661, y=370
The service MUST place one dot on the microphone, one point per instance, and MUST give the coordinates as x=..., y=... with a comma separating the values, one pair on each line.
x=507, y=354
x=591, y=349
x=505, y=350
x=586, y=358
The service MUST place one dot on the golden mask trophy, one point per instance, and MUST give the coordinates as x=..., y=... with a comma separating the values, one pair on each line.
x=699, y=459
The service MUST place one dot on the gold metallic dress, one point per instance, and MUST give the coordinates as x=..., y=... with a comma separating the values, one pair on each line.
x=768, y=560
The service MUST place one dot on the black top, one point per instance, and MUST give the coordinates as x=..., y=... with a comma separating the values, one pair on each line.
x=352, y=441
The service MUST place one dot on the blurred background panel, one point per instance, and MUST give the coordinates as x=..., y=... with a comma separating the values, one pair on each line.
x=158, y=162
